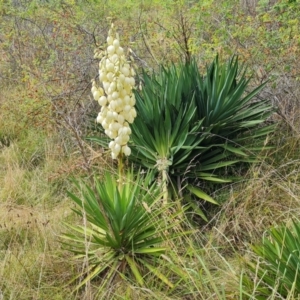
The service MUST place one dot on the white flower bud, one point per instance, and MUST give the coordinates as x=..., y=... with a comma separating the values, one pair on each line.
x=127, y=131
x=96, y=95
x=117, y=148
x=111, y=144
x=102, y=100
x=99, y=119
x=108, y=133
x=114, y=155
x=109, y=40
x=127, y=108
x=113, y=86
x=124, y=139
x=115, y=115
x=94, y=88
x=121, y=119
x=128, y=89
x=116, y=69
x=121, y=77
x=102, y=61
x=102, y=76
x=113, y=105
x=110, y=127
x=116, y=126
x=113, y=134
x=130, y=119
x=110, y=67
x=119, y=101
x=111, y=49
x=109, y=98
x=109, y=116
x=114, y=58
x=119, y=108
x=123, y=93
x=104, y=124
x=132, y=81
x=126, y=99
x=115, y=95
x=132, y=101
x=122, y=131
x=110, y=76
x=124, y=114
x=133, y=112
x=126, y=150
x=116, y=43
x=125, y=71
x=128, y=80
x=119, y=85
x=110, y=91
x=120, y=51
x=106, y=85
x=104, y=111
x=118, y=140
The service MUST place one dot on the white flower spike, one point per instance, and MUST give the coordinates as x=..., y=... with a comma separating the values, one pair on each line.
x=116, y=98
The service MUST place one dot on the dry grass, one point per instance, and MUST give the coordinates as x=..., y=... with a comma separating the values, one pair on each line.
x=32, y=263
x=266, y=199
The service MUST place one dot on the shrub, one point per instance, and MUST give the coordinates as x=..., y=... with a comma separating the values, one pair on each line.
x=278, y=269
x=126, y=233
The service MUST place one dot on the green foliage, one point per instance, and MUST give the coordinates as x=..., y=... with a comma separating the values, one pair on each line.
x=127, y=230
x=192, y=125
x=227, y=107
x=279, y=264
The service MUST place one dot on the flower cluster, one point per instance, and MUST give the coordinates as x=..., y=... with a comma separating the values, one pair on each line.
x=116, y=97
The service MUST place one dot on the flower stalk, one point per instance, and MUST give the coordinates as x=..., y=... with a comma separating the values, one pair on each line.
x=163, y=166
x=165, y=186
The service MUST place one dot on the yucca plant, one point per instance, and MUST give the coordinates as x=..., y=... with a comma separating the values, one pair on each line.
x=188, y=126
x=126, y=231
x=193, y=125
x=278, y=269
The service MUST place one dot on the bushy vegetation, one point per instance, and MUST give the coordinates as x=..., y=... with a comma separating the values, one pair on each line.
x=279, y=263
x=204, y=127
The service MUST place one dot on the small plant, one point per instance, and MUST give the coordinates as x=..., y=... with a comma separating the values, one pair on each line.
x=278, y=269
x=126, y=232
